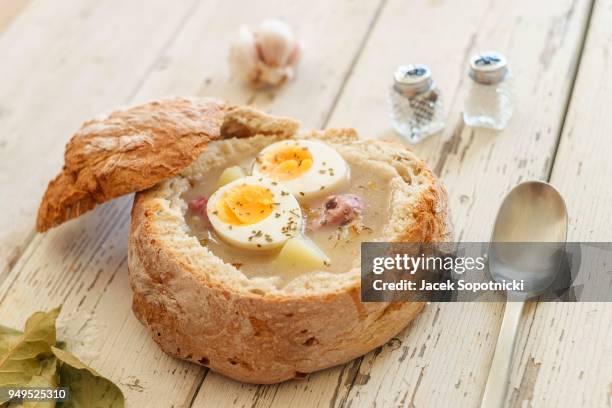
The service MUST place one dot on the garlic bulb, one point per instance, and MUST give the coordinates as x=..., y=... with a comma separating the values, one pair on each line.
x=266, y=56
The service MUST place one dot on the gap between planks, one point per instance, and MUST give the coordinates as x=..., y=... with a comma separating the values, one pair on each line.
x=530, y=314
x=574, y=76
x=17, y=253
x=583, y=336
x=354, y=61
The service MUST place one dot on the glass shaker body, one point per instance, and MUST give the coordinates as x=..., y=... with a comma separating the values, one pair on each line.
x=416, y=104
x=489, y=102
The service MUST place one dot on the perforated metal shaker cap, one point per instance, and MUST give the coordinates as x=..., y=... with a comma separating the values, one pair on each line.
x=412, y=79
x=488, y=67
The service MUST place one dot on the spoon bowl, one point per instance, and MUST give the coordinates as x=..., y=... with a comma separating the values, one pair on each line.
x=529, y=237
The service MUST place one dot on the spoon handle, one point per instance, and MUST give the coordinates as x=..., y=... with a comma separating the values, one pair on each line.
x=497, y=384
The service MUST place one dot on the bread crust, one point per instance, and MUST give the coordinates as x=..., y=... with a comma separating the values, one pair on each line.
x=129, y=150
x=247, y=121
x=205, y=311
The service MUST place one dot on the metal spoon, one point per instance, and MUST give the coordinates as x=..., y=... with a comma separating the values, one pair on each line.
x=532, y=212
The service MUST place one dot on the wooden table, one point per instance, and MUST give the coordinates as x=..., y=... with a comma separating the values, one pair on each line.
x=63, y=62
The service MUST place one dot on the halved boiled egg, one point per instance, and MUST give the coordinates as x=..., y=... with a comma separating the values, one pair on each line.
x=307, y=169
x=254, y=213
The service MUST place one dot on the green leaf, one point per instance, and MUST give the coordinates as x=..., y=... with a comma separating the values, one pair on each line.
x=49, y=371
x=34, y=358
x=21, y=353
x=87, y=388
x=6, y=332
x=46, y=379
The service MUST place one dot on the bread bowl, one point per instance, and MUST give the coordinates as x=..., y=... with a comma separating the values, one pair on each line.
x=262, y=328
x=254, y=321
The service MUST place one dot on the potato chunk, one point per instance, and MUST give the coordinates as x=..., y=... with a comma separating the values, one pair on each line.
x=301, y=252
x=230, y=174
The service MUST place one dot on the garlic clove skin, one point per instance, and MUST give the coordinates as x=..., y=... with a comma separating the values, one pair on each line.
x=275, y=42
x=265, y=57
x=243, y=58
x=294, y=57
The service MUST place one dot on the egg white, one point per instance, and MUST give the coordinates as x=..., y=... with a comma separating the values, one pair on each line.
x=284, y=222
x=327, y=173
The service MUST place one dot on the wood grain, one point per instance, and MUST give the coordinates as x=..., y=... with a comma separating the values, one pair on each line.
x=82, y=266
x=566, y=358
x=444, y=358
x=82, y=263
x=67, y=63
x=88, y=56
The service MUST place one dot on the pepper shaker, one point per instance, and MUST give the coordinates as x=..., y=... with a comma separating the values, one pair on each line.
x=416, y=103
x=489, y=100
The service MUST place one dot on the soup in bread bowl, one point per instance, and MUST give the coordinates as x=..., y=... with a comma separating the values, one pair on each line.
x=244, y=244
x=248, y=262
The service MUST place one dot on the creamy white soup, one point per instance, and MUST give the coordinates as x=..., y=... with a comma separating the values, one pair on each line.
x=340, y=241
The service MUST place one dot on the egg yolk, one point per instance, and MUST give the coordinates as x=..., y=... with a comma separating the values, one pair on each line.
x=286, y=163
x=245, y=204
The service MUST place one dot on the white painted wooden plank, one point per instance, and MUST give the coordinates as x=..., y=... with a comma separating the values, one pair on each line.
x=330, y=36
x=315, y=391
x=63, y=62
x=444, y=359
x=566, y=359
x=83, y=267
x=83, y=262
x=327, y=388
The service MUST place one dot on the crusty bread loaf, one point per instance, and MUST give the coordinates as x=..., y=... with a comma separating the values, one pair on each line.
x=253, y=329
x=126, y=151
x=133, y=149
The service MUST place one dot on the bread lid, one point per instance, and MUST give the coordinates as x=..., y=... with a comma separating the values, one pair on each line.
x=133, y=149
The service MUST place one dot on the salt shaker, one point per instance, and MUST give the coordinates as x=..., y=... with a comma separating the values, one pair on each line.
x=415, y=103
x=489, y=100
